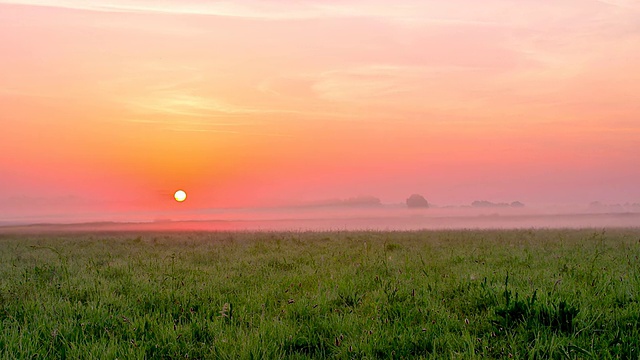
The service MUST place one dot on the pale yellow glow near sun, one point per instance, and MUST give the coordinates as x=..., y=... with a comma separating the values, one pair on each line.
x=180, y=196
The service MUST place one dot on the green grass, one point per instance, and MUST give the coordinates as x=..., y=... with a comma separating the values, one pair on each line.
x=435, y=294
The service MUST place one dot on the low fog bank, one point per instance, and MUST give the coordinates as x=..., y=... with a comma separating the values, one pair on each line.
x=327, y=218
x=359, y=212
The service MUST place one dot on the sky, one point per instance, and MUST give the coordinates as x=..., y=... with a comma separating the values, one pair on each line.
x=110, y=106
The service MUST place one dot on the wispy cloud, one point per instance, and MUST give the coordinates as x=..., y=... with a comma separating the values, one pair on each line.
x=188, y=123
x=219, y=131
x=184, y=125
x=625, y=4
x=411, y=13
x=407, y=12
x=250, y=9
x=172, y=103
x=367, y=82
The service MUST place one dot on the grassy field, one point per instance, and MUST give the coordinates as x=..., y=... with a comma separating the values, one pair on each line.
x=433, y=294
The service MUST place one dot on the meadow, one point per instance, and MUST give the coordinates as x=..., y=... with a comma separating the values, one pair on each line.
x=537, y=294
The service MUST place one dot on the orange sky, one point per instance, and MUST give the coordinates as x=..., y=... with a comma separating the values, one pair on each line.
x=114, y=105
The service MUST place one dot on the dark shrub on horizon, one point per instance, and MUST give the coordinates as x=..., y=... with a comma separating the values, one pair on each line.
x=417, y=201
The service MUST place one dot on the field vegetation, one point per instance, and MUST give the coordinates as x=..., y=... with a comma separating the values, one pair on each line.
x=347, y=295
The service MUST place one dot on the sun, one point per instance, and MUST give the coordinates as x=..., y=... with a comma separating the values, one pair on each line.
x=180, y=196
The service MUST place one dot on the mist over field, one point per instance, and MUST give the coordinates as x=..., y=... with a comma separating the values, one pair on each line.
x=329, y=217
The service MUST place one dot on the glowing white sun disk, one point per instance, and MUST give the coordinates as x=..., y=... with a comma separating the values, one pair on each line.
x=180, y=196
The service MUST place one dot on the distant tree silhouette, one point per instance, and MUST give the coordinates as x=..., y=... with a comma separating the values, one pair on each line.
x=487, y=204
x=417, y=201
